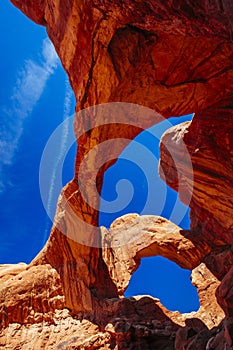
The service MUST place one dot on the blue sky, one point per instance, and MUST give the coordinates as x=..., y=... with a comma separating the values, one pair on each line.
x=35, y=98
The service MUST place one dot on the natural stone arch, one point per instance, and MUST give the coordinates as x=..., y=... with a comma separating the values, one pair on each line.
x=175, y=59
x=132, y=237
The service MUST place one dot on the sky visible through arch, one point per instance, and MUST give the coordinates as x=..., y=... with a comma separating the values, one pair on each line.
x=35, y=97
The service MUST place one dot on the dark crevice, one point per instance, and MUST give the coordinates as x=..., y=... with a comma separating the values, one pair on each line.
x=197, y=81
x=93, y=63
x=207, y=58
x=193, y=81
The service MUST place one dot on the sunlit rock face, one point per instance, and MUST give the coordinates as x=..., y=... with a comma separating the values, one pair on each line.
x=175, y=58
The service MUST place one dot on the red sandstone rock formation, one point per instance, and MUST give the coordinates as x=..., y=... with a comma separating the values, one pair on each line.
x=176, y=58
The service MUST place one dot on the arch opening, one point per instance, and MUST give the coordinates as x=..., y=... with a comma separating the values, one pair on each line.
x=138, y=165
x=173, y=286
x=165, y=280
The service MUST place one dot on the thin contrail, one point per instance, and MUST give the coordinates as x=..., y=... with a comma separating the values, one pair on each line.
x=59, y=154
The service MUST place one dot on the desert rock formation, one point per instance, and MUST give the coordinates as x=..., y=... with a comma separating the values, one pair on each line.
x=174, y=58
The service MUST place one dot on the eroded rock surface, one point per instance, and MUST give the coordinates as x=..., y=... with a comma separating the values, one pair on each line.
x=176, y=58
x=32, y=300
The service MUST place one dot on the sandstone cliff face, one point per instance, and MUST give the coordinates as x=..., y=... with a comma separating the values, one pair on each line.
x=176, y=58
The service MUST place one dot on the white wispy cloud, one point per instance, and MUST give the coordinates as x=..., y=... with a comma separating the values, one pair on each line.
x=29, y=86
